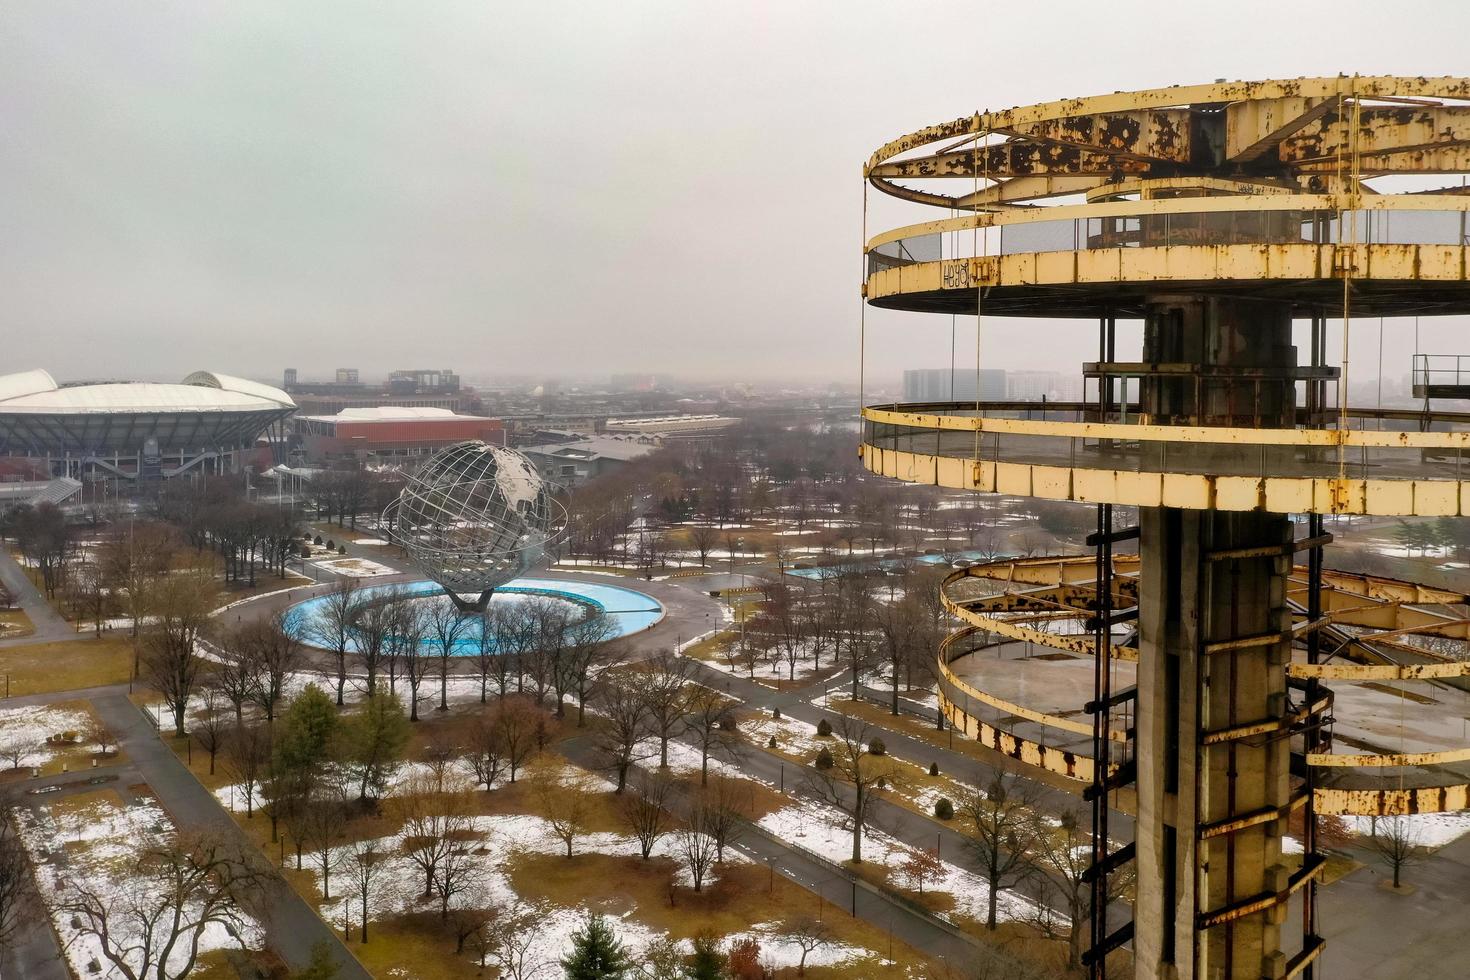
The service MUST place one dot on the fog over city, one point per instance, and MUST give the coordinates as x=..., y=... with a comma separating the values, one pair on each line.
x=558, y=189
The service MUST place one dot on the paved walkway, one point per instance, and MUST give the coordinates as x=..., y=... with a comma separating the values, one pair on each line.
x=847, y=897
x=292, y=927
x=48, y=623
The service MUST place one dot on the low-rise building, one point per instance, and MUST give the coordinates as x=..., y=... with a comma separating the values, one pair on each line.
x=570, y=464
x=390, y=431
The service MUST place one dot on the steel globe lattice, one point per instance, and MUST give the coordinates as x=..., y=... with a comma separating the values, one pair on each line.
x=474, y=517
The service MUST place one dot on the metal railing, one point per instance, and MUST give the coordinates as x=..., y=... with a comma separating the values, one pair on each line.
x=1205, y=227
x=1441, y=371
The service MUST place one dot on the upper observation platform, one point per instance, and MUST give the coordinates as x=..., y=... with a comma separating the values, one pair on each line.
x=1069, y=451
x=1273, y=189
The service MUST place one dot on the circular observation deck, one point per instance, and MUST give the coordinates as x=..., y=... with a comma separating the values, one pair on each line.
x=1379, y=636
x=1263, y=190
x=1068, y=451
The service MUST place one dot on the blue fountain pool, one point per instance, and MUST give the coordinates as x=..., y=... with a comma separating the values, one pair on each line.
x=627, y=610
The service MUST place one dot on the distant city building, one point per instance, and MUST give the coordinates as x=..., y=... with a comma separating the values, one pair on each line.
x=290, y=378
x=953, y=385
x=671, y=425
x=347, y=376
x=1033, y=386
x=421, y=381
x=390, y=430
x=570, y=464
x=138, y=432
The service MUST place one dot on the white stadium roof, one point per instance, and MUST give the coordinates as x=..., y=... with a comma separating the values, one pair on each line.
x=36, y=392
x=206, y=411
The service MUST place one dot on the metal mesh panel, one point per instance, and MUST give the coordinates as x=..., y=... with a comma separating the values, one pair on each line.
x=476, y=516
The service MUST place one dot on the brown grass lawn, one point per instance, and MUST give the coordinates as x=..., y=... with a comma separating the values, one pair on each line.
x=15, y=623
x=87, y=661
x=741, y=896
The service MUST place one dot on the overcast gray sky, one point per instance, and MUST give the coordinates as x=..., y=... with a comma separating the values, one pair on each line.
x=541, y=188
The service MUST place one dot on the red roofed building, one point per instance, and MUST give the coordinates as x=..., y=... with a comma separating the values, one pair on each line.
x=390, y=431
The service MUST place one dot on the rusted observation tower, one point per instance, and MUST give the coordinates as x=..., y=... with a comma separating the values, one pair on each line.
x=1224, y=217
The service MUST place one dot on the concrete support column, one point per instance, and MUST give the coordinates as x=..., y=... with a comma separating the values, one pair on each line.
x=1189, y=602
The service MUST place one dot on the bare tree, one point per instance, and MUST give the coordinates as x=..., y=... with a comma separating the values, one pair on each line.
x=445, y=625
x=851, y=781
x=711, y=719
x=623, y=703
x=509, y=940
x=703, y=538
x=236, y=672
x=149, y=917
x=518, y=723
x=372, y=631
x=507, y=634
x=324, y=827
x=331, y=626
x=563, y=795
x=551, y=621
x=133, y=562
x=212, y=725
x=484, y=751
x=459, y=873
x=365, y=865
x=645, y=810
x=1062, y=857
x=586, y=647
x=1002, y=830
x=246, y=757
x=666, y=694
x=181, y=610
x=17, y=744
x=442, y=750
x=278, y=655
x=809, y=935
x=725, y=805
x=434, y=823
x=406, y=649
x=101, y=736
x=1397, y=843
x=696, y=846
x=14, y=882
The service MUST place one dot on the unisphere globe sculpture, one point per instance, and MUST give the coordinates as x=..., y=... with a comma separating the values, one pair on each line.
x=474, y=517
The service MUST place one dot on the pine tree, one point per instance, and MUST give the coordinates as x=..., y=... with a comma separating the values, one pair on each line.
x=706, y=963
x=321, y=967
x=373, y=740
x=306, y=731
x=596, y=953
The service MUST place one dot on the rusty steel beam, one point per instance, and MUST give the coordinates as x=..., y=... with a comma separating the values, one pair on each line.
x=1024, y=189
x=1255, y=128
x=1161, y=134
x=1017, y=158
x=1379, y=132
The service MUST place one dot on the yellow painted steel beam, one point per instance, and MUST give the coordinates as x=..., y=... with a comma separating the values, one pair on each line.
x=1189, y=491
x=1261, y=118
x=1379, y=672
x=1259, y=199
x=1329, y=760
x=1174, y=264
x=1031, y=753
x=1391, y=802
